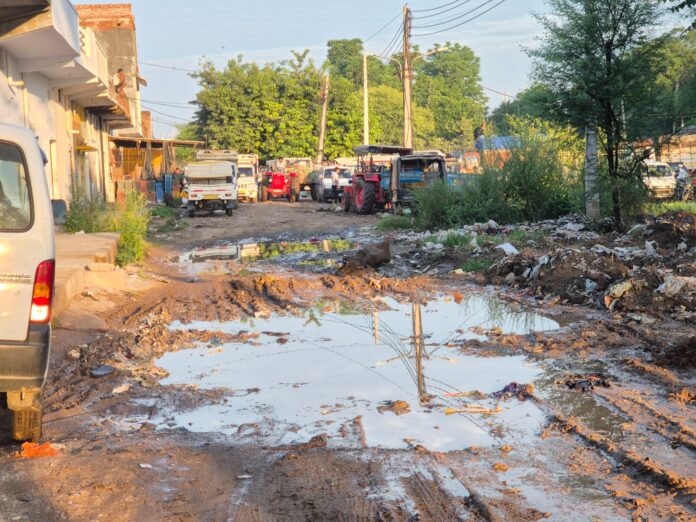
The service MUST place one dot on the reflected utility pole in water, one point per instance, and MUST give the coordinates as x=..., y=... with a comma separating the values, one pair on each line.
x=375, y=327
x=419, y=346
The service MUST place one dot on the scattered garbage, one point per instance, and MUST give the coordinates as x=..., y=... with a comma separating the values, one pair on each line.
x=509, y=249
x=102, y=371
x=145, y=466
x=32, y=450
x=585, y=383
x=121, y=389
x=244, y=477
x=396, y=407
x=521, y=391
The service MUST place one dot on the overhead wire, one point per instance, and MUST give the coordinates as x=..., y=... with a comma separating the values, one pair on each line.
x=180, y=69
x=381, y=28
x=452, y=19
x=461, y=23
x=388, y=50
x=434, y=8
x=460, y=3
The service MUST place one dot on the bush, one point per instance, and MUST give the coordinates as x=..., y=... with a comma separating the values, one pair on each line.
x=132, y=223
x=540, y=180
x=389, y=223
x=86, y=215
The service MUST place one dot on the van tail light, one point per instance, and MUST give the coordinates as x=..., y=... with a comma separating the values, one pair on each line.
x=42, y=295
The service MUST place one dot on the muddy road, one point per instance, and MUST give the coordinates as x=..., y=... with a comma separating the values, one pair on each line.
x=254, y=379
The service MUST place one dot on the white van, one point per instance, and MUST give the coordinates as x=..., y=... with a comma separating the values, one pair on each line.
x=27, y=269
x=659, y=178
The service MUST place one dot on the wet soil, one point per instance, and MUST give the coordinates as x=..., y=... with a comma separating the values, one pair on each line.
x=599, y=424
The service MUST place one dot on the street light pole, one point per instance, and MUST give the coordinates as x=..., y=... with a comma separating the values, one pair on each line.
x=366, y=103
x=407, y=75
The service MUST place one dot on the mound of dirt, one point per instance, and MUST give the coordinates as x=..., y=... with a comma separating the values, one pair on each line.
x=671, y=228
x=682, y=355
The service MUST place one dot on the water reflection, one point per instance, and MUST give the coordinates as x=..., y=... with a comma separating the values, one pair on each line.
x=338, y=364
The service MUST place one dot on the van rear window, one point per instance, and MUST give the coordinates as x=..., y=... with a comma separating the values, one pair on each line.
x=15, y=196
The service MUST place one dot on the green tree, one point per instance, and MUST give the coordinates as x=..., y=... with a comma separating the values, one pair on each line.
x=589, y=59
x=536, y=102
x=449, y=85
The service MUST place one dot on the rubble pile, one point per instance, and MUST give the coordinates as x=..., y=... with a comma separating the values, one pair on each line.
x=651, y=269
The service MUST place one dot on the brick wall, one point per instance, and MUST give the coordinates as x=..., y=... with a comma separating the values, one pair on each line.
x=102, y=17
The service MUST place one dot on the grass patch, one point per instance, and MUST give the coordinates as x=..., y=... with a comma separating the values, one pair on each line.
x=164, y=212
x=129, y=219
x=523, y=236
x=390, y=223
x=476, y=265
x=656, y=209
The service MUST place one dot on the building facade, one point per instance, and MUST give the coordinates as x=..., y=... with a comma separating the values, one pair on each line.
x=56, y=79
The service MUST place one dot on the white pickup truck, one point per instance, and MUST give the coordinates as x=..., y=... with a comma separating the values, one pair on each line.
x=212, y=182
x=27, y=270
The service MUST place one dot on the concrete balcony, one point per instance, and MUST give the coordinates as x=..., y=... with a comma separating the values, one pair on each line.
x=39, y=33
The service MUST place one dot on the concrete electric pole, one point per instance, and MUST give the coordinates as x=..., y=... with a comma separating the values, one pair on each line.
x=408, y=80
x=591, y=164
x=366, y=103
x=324, y=112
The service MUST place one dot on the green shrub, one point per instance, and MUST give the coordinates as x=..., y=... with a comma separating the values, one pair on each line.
x=132, y=223
x=389, y=223
x=540, y=180
x=86, y=215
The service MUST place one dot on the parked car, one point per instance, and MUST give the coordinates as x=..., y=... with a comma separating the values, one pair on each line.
x=659, y=179
x=321, y=182
x=27, y=270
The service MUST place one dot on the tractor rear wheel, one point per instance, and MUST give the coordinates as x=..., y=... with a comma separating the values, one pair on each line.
x=364, y=197
x=314, y=193
x=263, y=195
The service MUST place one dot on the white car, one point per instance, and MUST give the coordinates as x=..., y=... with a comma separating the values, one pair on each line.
x=27, y=270
x=659, y=178
x=321, y=182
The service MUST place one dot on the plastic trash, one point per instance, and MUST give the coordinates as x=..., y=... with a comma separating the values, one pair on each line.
x=508, y=248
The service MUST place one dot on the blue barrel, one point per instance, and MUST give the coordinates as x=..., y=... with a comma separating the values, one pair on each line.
x=159, y=190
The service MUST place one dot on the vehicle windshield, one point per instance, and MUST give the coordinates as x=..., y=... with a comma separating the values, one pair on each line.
x=659, y=171
x=246, y=172
x=15, y=200
x=211, y=181
x=343, y=173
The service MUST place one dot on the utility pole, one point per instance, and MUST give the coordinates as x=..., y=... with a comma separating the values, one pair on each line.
x=366, y=103
x=324, y=111
x=408, y=79
x=591, y=163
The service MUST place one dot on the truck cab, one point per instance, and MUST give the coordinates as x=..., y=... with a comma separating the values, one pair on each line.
x=27, y=270
x=212, y=182
x=248, y=181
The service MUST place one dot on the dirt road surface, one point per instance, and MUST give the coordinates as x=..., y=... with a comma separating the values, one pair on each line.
x=254, y=380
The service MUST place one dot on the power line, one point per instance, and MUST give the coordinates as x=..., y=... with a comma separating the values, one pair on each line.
x=381, y=28
x=165, y=114
x=461, y=3
x=461, y=23
x=180, y=69
x=386, y=53
x=175, y=105
x=434, y=8
x=458, y=17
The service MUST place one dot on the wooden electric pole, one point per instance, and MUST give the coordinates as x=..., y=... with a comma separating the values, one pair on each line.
x=408, y=80
x=366, y=103
x=324, y=111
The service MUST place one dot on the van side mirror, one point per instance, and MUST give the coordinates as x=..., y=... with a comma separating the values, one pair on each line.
x=60, y=211
x=350, y=181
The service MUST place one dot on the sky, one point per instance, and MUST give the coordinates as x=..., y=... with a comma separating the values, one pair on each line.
x=178, y=33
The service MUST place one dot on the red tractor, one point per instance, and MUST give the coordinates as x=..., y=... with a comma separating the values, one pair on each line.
x=387, y=175
x=279, y=185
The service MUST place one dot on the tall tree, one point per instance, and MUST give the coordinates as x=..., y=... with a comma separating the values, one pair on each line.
x=536, y=102
x=449, y=84
x=589, y=59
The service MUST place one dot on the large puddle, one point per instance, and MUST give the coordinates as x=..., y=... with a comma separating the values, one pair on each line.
x=304, y=376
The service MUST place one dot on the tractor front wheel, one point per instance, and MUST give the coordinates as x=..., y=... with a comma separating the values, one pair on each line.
x=364, y=197
x=345, y=202
x=263, y=195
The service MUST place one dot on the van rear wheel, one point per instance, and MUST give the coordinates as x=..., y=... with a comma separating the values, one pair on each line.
x=26, y=424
